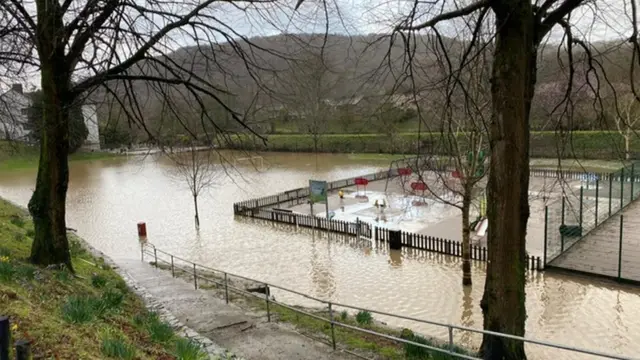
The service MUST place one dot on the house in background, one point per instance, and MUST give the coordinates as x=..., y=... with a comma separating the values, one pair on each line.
x=14, y=107
x=14, y=119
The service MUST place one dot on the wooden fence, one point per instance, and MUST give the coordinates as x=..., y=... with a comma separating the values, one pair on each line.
x=446, y=246
x=308, y=221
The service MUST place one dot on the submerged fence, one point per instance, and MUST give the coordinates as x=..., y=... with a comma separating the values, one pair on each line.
x=328, y=313
x=580, y=211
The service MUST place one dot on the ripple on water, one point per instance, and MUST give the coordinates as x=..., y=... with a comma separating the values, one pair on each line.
x=107, y=198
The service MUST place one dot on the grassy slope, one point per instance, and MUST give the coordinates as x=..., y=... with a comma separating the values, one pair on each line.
x=14, y=156
x=37, y=302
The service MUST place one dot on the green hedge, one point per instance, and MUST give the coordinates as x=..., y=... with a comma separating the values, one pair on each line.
x=579, y=144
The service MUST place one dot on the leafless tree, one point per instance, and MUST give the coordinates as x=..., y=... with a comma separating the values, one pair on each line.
x=626, y=117
x=196, y=166
x=132, y=54
x=519, y=29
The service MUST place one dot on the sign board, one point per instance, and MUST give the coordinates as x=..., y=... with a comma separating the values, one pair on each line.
x=317, y=191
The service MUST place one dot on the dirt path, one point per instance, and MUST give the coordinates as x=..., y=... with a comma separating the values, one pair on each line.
x=245, y=334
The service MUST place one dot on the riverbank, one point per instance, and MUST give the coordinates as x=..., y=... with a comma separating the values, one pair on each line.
x=16, y=156
x=604, y=145
x=91, y=314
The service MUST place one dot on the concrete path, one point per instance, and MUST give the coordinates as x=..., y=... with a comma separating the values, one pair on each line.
x=599, y=251
x=247, y=335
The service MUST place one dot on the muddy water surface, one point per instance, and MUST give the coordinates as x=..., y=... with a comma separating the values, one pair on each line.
x=108, y=197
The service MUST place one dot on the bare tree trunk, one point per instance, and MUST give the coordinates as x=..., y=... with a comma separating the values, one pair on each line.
x=466, y=237
x=627, y=155
x=512, y=84
x=195, y=204
x=48, y=202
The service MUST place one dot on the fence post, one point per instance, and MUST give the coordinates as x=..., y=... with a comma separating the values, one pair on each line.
x=266, y=296
x=4, y=337
x=450, y=339
x=581, y=206
x=155, y=255
x=226, y=289
x=546, y=228
x=562, y=222
x=610, y=191
x=597, y=198
x=621, y=188
x=333, y=332
x=620, y=249
x=195, y=278
x=173, y=273
x=632, y=181
x=23, y=350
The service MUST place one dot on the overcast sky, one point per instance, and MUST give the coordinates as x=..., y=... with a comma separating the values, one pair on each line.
x=599, y=20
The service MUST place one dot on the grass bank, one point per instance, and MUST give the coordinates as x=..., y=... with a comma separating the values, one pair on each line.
x=16, y=156
x=544, y=144
x=87, y=315
x=313, y=326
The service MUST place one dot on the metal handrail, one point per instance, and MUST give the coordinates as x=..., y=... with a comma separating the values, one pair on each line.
x=333, y=322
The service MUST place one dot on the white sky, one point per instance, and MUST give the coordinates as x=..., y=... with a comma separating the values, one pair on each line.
x=598, y=20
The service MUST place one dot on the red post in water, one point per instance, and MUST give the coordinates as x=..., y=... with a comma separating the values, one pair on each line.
x=142, y=229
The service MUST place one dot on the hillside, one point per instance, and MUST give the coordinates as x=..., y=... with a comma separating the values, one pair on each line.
x=262, y=78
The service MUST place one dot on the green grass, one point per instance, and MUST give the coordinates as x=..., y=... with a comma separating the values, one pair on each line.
x=186, y=349
x=65, y=315
x=544, y=144
x=17, y=156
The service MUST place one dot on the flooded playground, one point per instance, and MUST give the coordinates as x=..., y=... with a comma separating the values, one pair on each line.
x=108, y=197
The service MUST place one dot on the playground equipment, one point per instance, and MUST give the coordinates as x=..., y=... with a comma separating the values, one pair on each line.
x=361, y=182
x=419, y=186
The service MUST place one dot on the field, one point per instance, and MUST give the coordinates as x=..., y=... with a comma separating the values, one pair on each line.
x=15, y=156
x=606, y=145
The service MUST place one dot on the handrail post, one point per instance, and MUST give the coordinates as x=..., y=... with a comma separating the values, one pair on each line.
x=333, y=332
x=155, y=255
x=581, y=206
x=4, y=337
x=226, y=288
x=23, y=350
x=450, y=340
x=266, y=296
x=562, y=222
x=195, y=278
x=610, y=191
x=622, y=188
x=173, y=272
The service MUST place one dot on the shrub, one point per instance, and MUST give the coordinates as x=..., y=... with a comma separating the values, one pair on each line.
x=158, y=330
x=19, y=237
x=26, y=271
x=111, y=299
x=187, y=349
x=17, y=221
x=115, y=346
x=7, y=269
x=98, y=281
x=78, y=310
x=344, y=315
x=364, y=318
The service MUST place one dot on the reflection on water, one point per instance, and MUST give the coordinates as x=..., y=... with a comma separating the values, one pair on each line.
x=108, y=197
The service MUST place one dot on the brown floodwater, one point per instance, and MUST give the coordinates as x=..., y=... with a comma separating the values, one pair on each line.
x=108, y=197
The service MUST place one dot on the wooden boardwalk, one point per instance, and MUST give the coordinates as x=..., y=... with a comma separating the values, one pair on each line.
x=599, y=252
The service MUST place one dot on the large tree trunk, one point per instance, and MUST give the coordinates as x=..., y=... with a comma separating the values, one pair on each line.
x=466, y=237
x=513, y=79
x=48, y=203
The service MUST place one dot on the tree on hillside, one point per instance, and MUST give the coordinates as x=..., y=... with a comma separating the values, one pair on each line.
x=117, y=49
x=307, y=89
x=519, y=28
x=78, y=131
